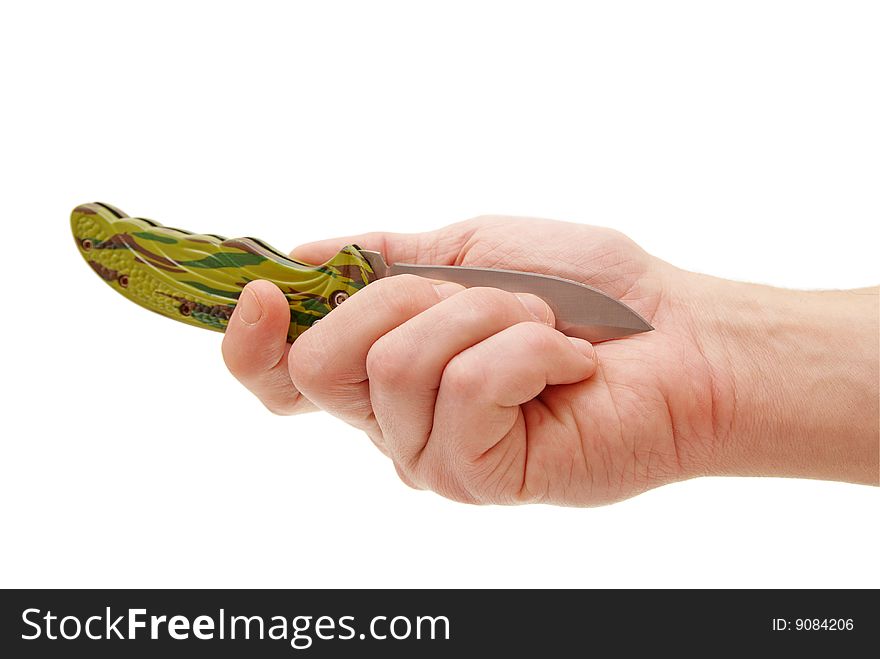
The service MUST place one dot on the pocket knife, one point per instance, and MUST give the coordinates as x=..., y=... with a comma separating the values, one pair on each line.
x=197, y=278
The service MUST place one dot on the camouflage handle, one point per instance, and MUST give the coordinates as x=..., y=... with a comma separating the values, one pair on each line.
x=197, y=278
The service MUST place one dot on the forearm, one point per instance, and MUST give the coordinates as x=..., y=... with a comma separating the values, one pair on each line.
x=798, y=372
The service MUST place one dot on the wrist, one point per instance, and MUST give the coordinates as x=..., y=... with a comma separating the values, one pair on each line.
x=794, y=376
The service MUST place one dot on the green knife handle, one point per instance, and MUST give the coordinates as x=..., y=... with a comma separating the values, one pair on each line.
x=197, y=278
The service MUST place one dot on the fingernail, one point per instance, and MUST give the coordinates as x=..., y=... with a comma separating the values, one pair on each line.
x=584, y=347
x=249, y=309
x=446, y=288
x=537, y=307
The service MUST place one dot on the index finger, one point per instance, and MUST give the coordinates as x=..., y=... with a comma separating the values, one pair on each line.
x=327, y=362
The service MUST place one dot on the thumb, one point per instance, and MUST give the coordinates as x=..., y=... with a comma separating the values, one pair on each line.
x=255, y=347
x=440, y=247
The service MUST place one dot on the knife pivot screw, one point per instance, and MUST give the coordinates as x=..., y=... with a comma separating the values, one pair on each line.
x=86, y=244
x=337, y=298
x=123, y=280
x=186, y=308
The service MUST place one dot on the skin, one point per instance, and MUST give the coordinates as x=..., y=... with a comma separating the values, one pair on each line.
x=474, y=394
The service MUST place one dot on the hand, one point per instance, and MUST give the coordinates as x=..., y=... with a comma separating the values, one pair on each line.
x=473, y=394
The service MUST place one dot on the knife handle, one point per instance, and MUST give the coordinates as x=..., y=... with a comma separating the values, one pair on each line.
x=197, y=278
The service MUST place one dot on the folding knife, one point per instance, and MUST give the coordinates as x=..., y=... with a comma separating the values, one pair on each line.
x=197, y=278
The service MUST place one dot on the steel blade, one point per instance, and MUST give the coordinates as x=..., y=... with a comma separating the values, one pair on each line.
x=581, y=311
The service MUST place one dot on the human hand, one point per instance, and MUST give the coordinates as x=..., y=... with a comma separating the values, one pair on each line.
x=473, y=394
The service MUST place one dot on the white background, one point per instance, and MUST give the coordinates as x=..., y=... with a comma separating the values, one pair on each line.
x=739, y=139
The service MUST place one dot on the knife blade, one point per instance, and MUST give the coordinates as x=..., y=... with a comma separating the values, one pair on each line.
x=581, y=310
x=197, y=278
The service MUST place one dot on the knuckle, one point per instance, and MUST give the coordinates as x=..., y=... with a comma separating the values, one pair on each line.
x=305, y=361
x=464, y=377
x=398, y=295
x=385, y=363
x=536, y=337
